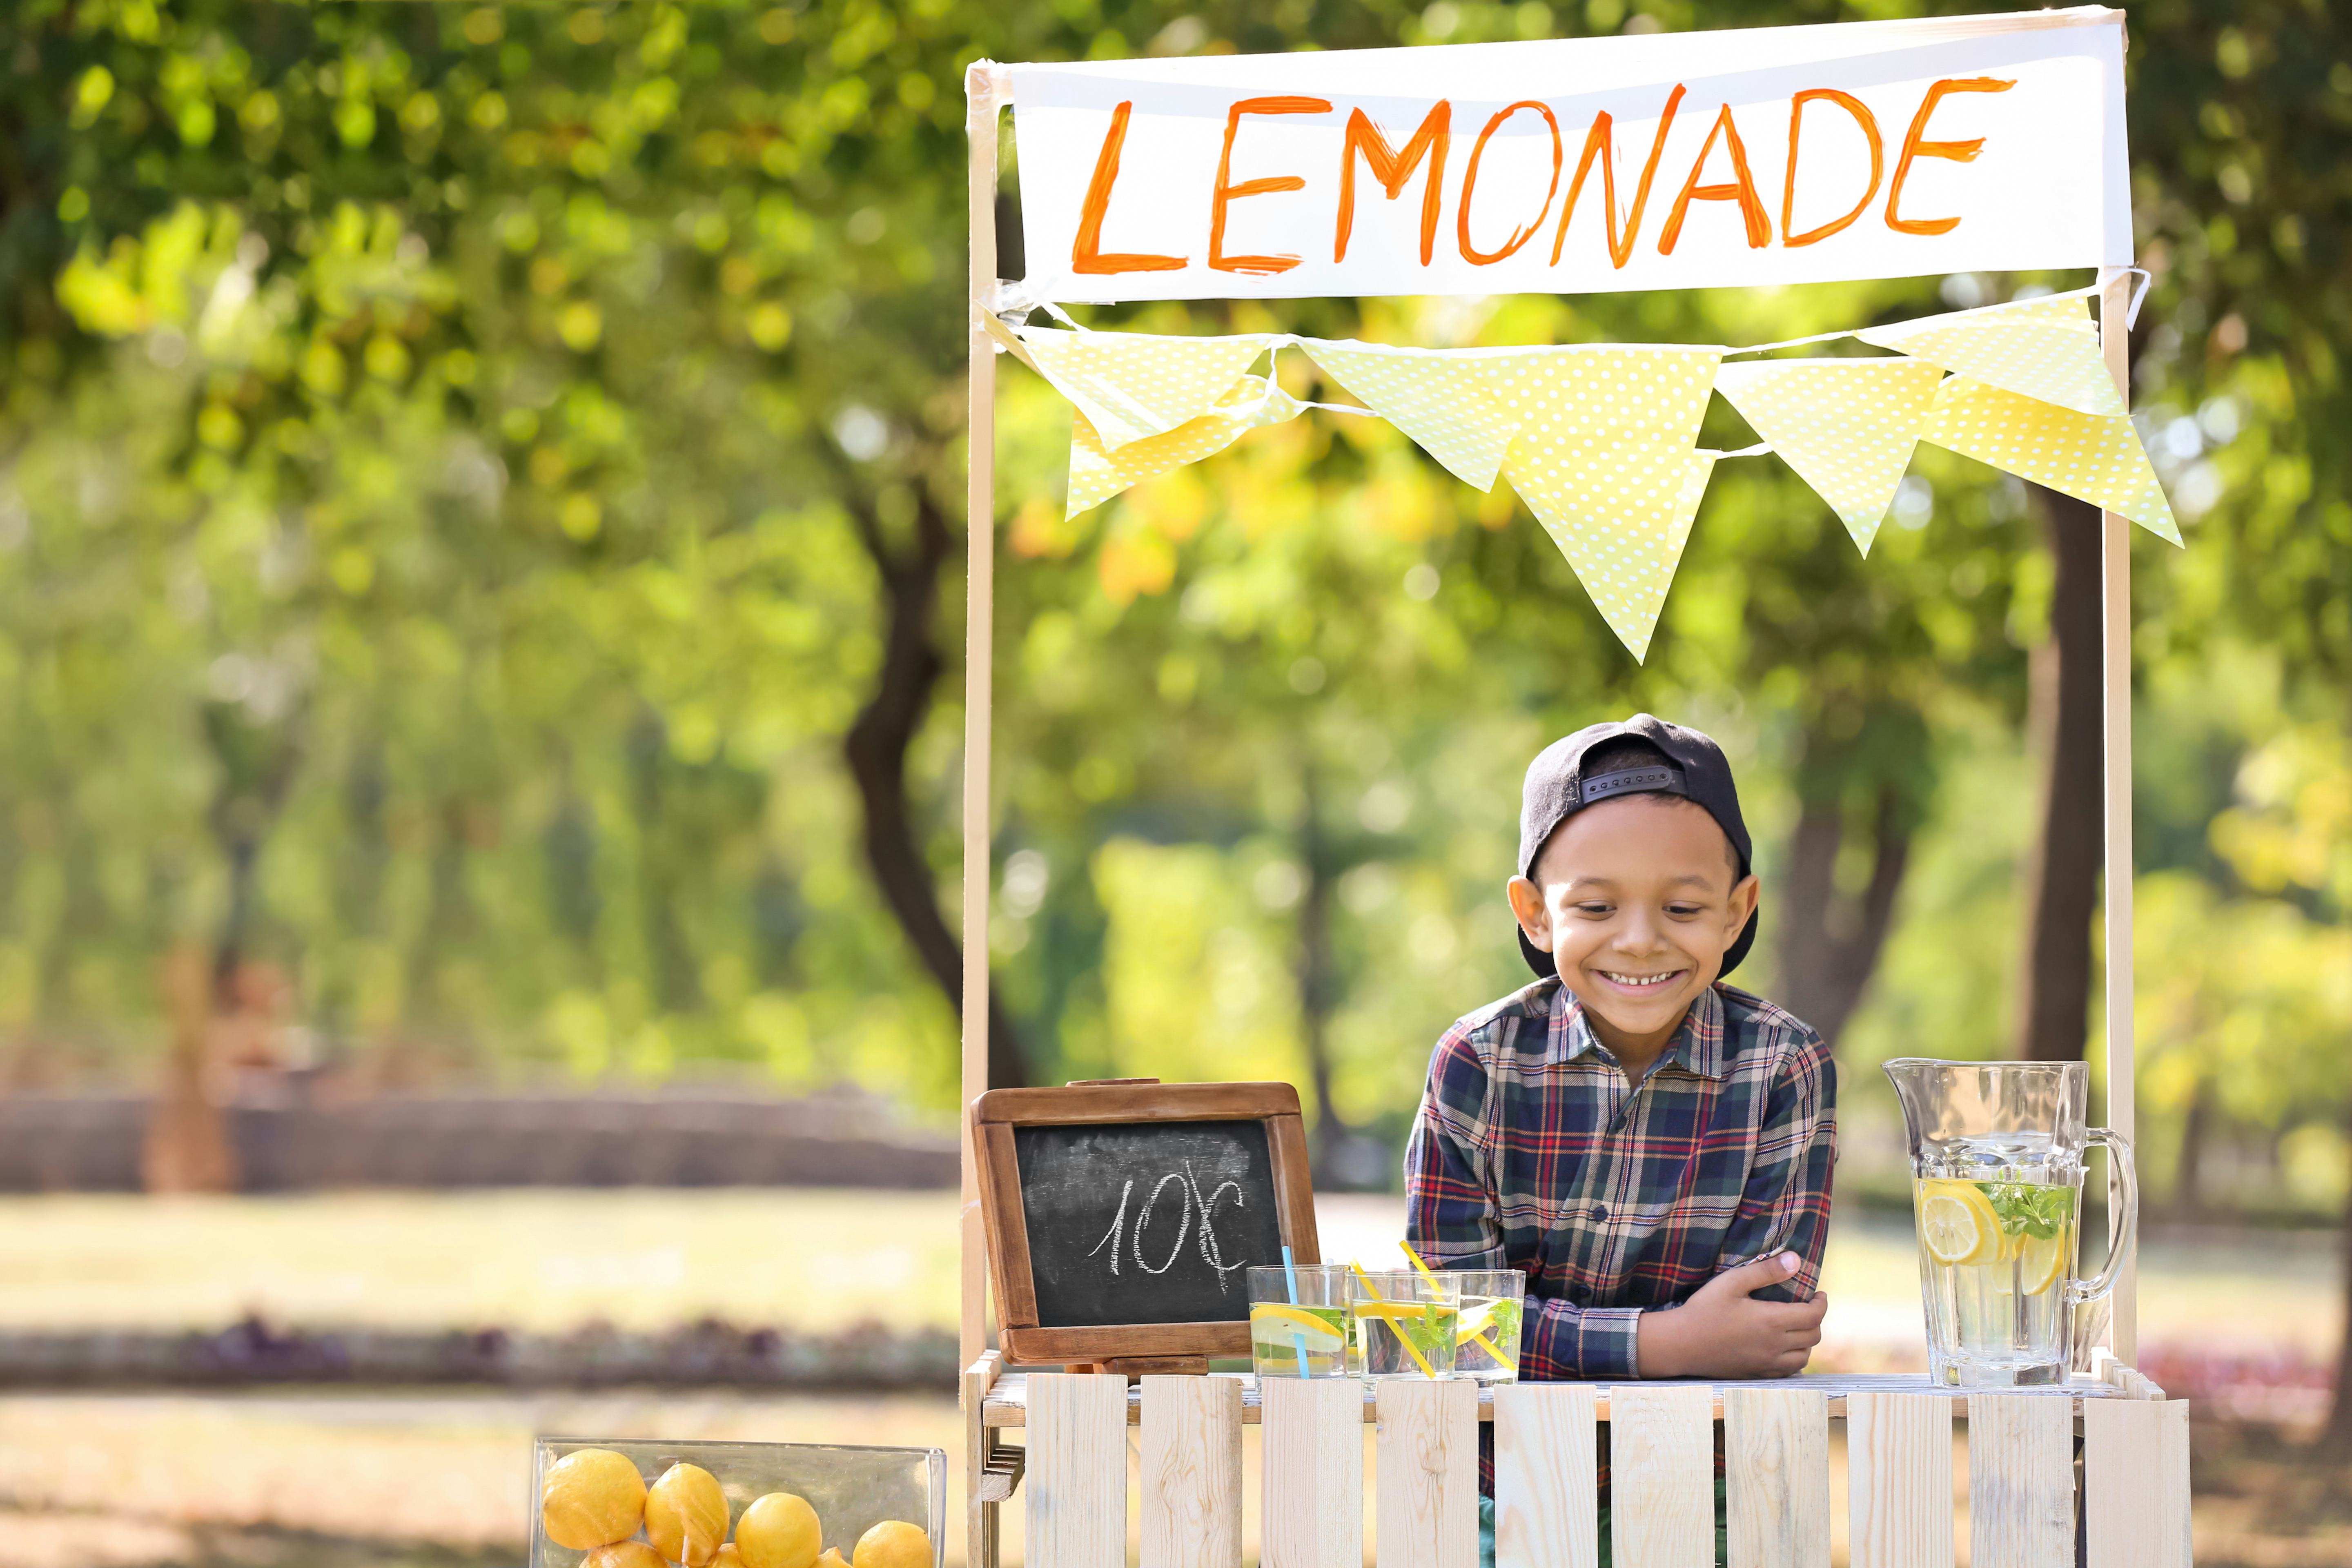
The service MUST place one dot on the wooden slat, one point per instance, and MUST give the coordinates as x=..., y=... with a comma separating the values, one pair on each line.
x=1313, y=1490
x=1076, y=1484
x=1899, y=1481
x=2135, y=1483
x=1191, y=1472
x=1776, y=1450
x=1661, y=1476
x=1546, y=1508
x=1428, y=1455
x=2020, y=1482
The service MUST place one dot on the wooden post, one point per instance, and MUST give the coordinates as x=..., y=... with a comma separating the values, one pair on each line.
x=986, y=89
x=2115, y=663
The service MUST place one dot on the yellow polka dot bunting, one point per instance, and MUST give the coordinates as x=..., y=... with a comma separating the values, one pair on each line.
x=1603, y=458
x=2047, y=349
x=1447, y=402
x=1846, y=425
x=2089, y=458
x=1096, y=475
x=1134, y=385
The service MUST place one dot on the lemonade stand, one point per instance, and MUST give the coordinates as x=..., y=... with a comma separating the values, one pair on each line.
x=1723, y=159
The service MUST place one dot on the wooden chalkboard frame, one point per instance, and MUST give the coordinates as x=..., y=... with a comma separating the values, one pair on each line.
x=996, y=1113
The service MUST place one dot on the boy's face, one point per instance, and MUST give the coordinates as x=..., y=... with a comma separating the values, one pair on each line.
x=1637, y=900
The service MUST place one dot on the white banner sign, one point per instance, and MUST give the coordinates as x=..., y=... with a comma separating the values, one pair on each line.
x=1574, y=165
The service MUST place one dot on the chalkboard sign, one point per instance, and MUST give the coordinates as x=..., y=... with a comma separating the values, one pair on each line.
x=1122, y=1215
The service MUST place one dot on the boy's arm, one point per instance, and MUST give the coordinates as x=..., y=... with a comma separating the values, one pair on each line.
x=1452, y=1220
x=1451, y=1217
x=1760, y=1315
x=1786, y=1206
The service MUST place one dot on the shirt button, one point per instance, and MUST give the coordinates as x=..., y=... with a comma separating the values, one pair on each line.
x=1600, y=1213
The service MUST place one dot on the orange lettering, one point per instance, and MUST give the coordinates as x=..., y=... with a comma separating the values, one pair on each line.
x=1869, y=123
x=1085, y=251
x=1957, y=152
x=1519, y=236
x=1600, y=141
x=1392, y=169
x=1226, y=192
x=1740, y=188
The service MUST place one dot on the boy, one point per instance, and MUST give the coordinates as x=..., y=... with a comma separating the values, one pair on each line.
x=1650, y=1146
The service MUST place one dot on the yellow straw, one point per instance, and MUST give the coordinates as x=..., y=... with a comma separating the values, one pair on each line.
x=1411, y=1349
x=1427, y=1273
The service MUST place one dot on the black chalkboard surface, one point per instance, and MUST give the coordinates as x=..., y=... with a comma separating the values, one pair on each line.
x=1122, y=1215
x=1147, y=1224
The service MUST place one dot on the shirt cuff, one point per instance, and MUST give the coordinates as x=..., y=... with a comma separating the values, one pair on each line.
x=1572, y=1342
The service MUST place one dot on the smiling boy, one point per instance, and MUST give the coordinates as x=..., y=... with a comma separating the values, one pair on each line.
x=1650, y=1146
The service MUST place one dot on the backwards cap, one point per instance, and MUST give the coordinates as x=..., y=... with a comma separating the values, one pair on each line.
x=1558, y=786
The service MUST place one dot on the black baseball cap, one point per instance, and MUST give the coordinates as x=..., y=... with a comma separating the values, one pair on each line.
x=1687, y=764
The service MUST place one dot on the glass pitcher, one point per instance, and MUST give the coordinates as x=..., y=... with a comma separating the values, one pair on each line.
x=1996, y=1185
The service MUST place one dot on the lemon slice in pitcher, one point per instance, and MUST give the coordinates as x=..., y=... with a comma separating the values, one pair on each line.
x=2040, y=1262
x=1957, y=1223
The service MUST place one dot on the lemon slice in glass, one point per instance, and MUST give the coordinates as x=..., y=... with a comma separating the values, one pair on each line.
x=1474, y=1323
x=1287, y=1320
x=1957, y=1223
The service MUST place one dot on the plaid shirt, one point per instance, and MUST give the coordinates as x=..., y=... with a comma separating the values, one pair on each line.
x=1530, y=1153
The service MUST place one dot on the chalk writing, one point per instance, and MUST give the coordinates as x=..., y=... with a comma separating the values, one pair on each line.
x=1191, y=1205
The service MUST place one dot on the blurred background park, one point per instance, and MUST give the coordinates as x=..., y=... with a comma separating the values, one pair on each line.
x=480, y=601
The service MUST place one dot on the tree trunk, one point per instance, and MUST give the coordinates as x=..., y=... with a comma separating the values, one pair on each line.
x=188, y=1148
x=2067, y=734
x=2188, y=1176
x=1830, y=941
x=876, y=749
x=2337, y=1437
x=1317, y=974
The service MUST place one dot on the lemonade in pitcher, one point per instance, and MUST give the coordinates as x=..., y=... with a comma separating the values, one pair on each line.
x=1994, y=1258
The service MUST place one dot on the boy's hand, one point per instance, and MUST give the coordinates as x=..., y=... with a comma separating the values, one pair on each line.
x=1723, y=1331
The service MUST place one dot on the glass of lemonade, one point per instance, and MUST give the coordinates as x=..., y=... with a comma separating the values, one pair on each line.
x=1406, y=1324
x=1300, y=1335
x=1487, y=1336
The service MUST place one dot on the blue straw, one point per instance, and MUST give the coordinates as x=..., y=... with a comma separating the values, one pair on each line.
x=1297, y=1339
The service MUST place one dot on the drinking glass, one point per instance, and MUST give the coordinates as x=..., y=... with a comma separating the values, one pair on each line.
x=1301, y=1335
x=1486, y=1339
x=1405, y=1323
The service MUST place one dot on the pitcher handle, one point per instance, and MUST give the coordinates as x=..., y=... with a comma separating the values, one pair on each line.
x=2123, y=1218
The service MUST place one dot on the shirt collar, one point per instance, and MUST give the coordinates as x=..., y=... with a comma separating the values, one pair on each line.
x=1697, y=1047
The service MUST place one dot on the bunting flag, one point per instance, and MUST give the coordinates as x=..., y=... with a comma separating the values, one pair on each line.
x=1603, y=458
x=1446, y=401
x=2095, y=459
x=1846, y=425
x=1097, y=474
x=1134, y=385
x=2046, y=348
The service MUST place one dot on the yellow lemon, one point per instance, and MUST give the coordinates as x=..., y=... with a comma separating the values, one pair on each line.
x=893, y=1543
x=831, y=1557
x=1284, y=1321
x=590, y=1497
x=728, y=1557
x=779, y=1530
x=686, y=1515
x=624, y=1554
x=1957, y=1223
x=2040, y=1262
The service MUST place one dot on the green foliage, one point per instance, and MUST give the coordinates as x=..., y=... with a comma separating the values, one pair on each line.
x=446, y=449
